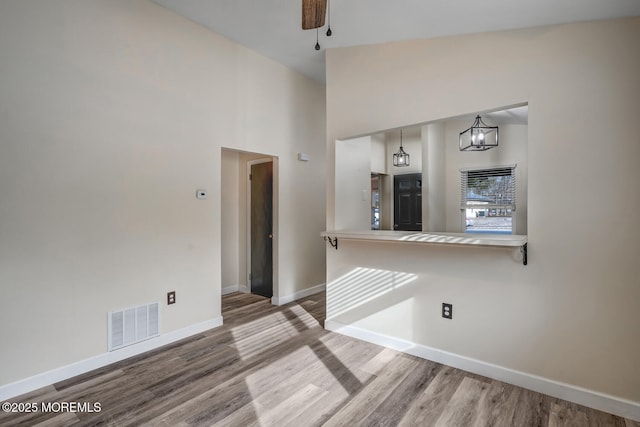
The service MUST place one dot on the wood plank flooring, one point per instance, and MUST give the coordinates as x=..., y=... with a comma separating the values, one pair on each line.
x=277, y=366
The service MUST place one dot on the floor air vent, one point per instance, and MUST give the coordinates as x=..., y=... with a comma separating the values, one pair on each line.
x=133, y=325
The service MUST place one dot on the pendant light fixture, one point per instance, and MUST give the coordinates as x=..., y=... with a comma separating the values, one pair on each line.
x=401, y=158
x=479, y=137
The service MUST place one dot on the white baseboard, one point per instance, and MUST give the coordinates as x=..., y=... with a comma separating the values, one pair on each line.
x=235, y=288
x=300, y=294
x=230, y=289
x=593, y=399
x=35, y=382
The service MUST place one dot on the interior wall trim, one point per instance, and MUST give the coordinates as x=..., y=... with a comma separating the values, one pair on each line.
x=37, y=381
x=297, y=295
x=593, y=399
x=230, y=289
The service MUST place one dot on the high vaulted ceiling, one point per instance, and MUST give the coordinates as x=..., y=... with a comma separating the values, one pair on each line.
x=273, y=27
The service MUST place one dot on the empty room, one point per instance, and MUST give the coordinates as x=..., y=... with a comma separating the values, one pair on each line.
x=319, y=212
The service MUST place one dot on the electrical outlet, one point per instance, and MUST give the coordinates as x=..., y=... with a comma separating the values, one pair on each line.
x=171, y=297
x=447, y=310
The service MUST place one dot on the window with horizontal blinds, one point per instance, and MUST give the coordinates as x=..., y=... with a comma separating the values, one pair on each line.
x=493, y=188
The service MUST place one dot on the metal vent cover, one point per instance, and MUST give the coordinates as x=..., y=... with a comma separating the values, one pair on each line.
x=132, y=325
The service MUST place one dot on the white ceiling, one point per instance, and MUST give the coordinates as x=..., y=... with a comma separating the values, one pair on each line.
x=273, y=27
x=514, y=116
x=510, y=116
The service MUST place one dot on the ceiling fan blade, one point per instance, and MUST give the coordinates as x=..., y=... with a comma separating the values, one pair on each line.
x=313, y=13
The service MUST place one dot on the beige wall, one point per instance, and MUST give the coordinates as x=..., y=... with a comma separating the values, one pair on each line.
x=112, y=114
x=353, y=183
x=571, y=315
x=378, y=154
x=434, y=200
x=231, y=217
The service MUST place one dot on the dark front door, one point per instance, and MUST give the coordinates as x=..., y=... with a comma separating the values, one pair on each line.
x=261, y=229
x=407, y=190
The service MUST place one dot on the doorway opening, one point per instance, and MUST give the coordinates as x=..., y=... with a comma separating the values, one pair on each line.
x=248, y=264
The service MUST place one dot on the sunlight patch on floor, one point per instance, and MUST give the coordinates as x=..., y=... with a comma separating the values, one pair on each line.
x=342, y=351
x=375, y=365
x=262, y=334
x=308, y=320
x=302, y=391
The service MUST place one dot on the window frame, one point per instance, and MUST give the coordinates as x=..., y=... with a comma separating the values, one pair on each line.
x=490, y=171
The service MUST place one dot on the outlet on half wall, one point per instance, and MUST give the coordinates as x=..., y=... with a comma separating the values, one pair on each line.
x=447, y=310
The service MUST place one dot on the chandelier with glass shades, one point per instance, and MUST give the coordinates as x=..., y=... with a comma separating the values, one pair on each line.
x=479, y=137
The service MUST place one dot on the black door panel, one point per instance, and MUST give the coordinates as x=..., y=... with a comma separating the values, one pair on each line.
x=408, y=202
x=261, y=229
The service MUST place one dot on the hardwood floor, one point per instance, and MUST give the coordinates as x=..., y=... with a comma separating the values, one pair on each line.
x=277, y=366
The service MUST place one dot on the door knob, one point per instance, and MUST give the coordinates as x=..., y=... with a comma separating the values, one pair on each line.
x=271, y=236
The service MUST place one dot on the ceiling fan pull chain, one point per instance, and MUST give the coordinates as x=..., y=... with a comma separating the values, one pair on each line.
x=329, y=32
x=317, y=44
